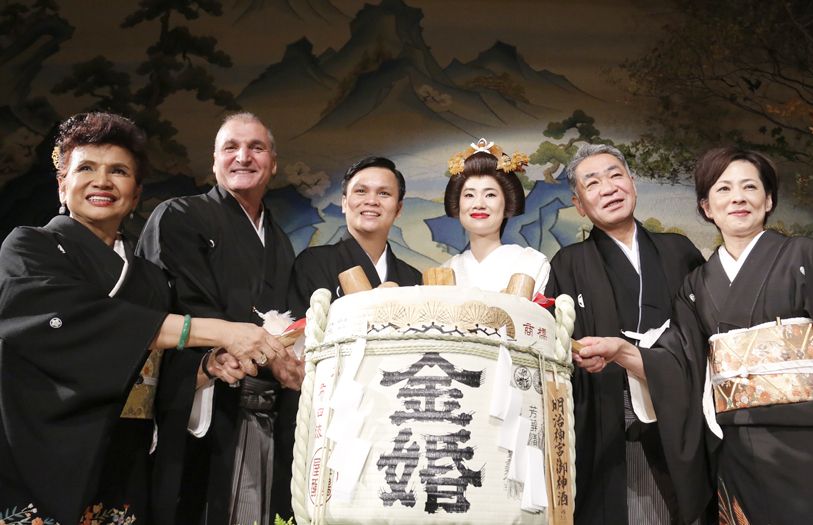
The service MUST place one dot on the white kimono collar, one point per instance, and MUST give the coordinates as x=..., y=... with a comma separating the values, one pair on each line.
x=730, y=264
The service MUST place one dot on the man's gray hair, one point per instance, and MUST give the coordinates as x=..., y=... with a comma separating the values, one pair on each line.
x=589, y=150
x=247, y=116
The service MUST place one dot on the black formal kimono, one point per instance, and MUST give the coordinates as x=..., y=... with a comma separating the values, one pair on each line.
x=217, y=267
x=766, y=455
x=69, y=355
x=320, y=266
x=605, y=287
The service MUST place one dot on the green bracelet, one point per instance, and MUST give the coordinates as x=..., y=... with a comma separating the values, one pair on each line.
x=187, y=324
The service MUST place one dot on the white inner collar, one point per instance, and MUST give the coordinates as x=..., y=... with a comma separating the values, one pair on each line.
x=632, y=253
x=730, y=264
x=118, y=247
x=381, y=265
x=260, y=230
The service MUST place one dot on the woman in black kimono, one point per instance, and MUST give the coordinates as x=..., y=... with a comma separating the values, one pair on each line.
x=762, y=378
x=79, y=316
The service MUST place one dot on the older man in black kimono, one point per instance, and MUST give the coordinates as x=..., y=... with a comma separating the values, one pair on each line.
x=622, y=278
x=372, y=198
x=226, y=258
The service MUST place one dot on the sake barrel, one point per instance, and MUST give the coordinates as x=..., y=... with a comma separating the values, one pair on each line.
x=435, y=404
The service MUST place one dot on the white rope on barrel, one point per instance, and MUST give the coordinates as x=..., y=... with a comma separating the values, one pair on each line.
x=565, y=320
x=399, y=343
x=314, y=334
x=316, y=317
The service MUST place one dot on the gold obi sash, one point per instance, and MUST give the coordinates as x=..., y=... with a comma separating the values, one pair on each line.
x=141, y=400
x=768, y=364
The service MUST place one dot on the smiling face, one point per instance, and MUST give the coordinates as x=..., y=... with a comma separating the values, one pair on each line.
x=605, y=192
x=371, y=203
x=244, y=160
x=482, y=206
x=100, y=188
x=737, y=202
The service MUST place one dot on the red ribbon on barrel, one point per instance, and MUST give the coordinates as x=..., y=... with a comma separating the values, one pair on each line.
x=544, y=302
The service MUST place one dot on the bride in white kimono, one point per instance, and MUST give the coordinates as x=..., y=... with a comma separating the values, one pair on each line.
x=483, y=192
x=741, y=328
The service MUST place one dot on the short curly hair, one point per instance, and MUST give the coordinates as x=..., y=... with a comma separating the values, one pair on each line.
x=97, y=129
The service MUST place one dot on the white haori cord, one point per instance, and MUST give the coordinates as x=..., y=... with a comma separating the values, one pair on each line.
x=639, y=388
x=796, y=366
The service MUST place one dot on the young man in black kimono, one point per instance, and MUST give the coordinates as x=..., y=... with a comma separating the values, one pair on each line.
x=227, y=258
x=372, y=197
x=622, y=278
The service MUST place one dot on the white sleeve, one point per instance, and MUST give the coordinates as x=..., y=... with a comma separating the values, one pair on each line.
x=200, y=417
x=539, y=263
x=639, y=388
x=708, y=407
x=641, y=402
x=542, y=276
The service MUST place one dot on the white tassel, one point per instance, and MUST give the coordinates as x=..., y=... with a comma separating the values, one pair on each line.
x=275, y=322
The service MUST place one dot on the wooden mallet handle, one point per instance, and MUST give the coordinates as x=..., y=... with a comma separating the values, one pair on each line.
x=438, y=277
x=289, y=338
x=521, y=285
x=354, y=280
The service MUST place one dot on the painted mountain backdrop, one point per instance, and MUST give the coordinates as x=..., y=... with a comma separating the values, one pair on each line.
x=413, y=80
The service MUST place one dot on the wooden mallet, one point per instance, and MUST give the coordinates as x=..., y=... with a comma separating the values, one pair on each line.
x=438, y=277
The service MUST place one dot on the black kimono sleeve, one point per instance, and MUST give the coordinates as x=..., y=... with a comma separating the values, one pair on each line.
x=311, y=272
x=597, y=398
x=174, y=240
x=177, y=240
x=319, y=267
x=69, y=354
x=675, y=372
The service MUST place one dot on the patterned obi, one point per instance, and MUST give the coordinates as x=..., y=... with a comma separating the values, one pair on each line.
x=768, y=364
x=141, y=400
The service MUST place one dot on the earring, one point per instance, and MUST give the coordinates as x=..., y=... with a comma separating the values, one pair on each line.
x=62, y=208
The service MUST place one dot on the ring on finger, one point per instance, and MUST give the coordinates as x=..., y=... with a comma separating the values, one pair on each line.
x=262, y=360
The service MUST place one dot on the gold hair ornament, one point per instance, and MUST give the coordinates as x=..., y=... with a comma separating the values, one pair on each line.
x=55, y=157
x=505, y=163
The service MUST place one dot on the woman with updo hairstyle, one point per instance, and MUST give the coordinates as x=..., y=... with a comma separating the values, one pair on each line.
x=483, y=192
x=731, y=379
x=82, y=326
